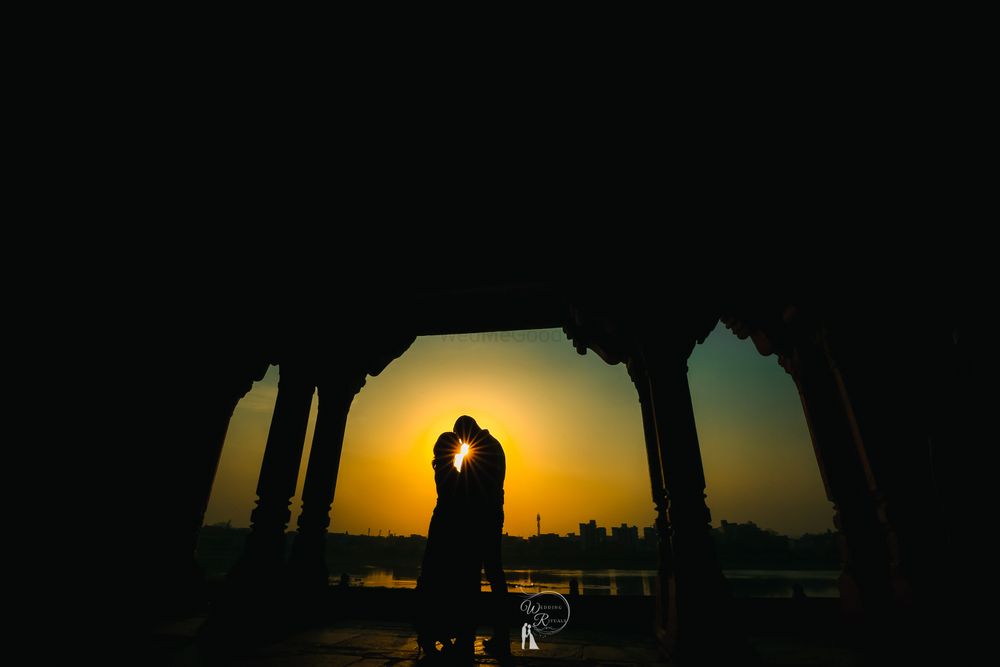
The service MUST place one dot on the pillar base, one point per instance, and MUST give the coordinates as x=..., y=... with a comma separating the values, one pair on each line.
x=307, y=569
x=262, y=562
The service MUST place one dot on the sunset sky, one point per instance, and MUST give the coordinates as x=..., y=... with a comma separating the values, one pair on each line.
x=571, y=429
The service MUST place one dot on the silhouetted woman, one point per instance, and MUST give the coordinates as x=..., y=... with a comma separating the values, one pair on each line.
x=450, y=573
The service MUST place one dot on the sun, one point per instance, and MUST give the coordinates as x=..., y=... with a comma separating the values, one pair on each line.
x=461, y=456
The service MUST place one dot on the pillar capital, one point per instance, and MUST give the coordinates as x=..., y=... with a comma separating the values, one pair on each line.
x=779, y=327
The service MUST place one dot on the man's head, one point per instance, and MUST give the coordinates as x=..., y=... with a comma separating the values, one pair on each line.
x=466, y=428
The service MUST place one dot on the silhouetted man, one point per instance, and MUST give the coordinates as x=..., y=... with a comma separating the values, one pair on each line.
x=484, y=469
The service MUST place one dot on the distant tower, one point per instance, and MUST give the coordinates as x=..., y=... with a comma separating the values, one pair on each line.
x=538, y=522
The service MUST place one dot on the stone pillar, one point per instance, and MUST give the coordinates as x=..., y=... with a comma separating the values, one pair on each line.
x=665, y=567
x=187, y=474
x=891, y=396
x=263, y=555
x=208, y=440
x=308, y=567
x=864, y=581
x=699, y=596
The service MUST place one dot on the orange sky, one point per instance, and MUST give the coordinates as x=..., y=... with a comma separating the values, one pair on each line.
x=571, y=430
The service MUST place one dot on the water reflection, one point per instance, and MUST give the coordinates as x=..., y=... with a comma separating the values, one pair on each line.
x=743, y=583
x=780, y=583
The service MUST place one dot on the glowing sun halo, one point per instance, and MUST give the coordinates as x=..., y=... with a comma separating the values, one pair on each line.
x=461, y=456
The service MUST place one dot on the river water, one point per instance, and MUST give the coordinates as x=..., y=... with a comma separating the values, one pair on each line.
x=743, y=583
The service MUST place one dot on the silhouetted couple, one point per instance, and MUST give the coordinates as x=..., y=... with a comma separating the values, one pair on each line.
x=463, y=539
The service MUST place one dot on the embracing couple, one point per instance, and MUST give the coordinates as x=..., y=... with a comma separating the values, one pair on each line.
x=463, y=540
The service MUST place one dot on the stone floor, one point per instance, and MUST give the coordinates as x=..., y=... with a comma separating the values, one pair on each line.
x=377, y=642
x=362, y=644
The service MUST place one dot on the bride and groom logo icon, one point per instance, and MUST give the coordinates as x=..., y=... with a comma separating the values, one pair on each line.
x=527, y=636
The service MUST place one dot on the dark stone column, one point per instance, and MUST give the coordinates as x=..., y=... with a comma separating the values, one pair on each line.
x=308, y=567
x=264, y=552
x=665, y=567
x=208, y=441
x=865, y=580
x=892, y=396
x=184, y=477
x=703, y=628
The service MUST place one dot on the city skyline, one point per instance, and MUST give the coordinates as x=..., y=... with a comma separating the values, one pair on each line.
x=388, y=532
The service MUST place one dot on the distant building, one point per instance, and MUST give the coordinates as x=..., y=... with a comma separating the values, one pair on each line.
x=625, y=535
x=591, y=535
x=748, y=546
x=649, y=534
x=737, y=530
x=545, y=539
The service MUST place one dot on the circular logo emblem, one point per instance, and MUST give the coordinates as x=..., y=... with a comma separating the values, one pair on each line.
x=546, y=613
